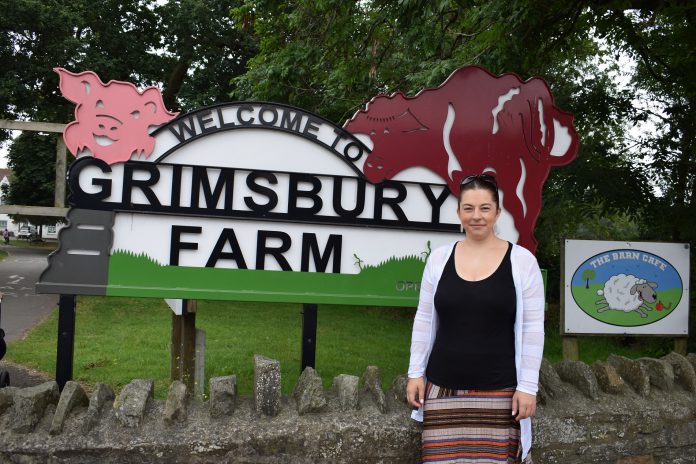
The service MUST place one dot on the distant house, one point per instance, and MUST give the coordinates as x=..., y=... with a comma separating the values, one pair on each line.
x=5, y=221
x=49, y=232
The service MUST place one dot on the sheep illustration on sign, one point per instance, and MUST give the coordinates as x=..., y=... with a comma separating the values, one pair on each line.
x=111, y=120
x=626, y=288
x=627, y=293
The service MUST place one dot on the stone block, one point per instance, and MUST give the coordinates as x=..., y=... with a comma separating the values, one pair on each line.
x=101, y=394
x=633, y=373
x=660, y=372
x=223, y=395
x=308, y=392
x=548, y=377
x=346, y=388
x=691, y=357
x=7, y=398
x=649, y=423
x=373, y=384
x=580, y=375
x=682, y=434
x=553, y=430
x=175, y=406
x=542, y=397
x=684, y=373
x=644, y=459
x=30, y=404
x=602, y=428
x=398, y=388
x=266, y=385
x=129, y=406
x=71, y=397
x=607, y=378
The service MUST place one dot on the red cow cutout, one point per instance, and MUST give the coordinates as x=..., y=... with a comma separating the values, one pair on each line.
x=111, y=120
x=472, y=123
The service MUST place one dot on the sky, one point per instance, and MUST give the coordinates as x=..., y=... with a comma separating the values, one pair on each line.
x=3, y=151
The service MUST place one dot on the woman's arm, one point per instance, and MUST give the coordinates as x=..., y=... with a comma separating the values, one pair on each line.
x=532, y=325
x=420, y=336
x=420, y=339
x=524, y=399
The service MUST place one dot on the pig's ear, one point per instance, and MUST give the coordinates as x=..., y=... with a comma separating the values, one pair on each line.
x=154, y=106
x=77, y=87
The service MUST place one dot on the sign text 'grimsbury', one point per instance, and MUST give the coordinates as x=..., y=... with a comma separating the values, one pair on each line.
x=212, y=191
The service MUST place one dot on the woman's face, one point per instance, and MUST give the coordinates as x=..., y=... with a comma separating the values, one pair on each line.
x=478, y=213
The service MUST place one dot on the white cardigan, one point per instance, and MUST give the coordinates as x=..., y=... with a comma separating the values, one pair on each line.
x=529, y=324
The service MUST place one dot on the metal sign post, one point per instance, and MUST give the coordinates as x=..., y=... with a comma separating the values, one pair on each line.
x=66, y=339
x=309, y=335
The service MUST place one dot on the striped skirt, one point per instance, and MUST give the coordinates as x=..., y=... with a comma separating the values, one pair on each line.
x=469, y=426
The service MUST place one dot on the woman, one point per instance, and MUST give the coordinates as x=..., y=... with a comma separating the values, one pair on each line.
x=478, y=338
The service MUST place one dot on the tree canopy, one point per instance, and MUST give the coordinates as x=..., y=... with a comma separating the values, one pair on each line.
x=332, y=56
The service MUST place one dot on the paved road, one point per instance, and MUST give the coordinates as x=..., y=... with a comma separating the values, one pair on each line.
x=21, y=307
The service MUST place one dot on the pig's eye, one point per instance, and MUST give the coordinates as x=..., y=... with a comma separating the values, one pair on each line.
x=99, y=104
x=386, y=130
x=101, y=126
x=373, y=132
x=135, y=114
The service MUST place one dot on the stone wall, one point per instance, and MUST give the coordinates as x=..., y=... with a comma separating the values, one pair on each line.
x=618, y=411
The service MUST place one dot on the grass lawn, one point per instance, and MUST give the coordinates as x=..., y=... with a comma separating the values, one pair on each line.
x=21, y=243
x=119, y=339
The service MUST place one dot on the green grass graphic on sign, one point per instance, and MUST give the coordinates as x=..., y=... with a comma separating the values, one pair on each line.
x=391, y=283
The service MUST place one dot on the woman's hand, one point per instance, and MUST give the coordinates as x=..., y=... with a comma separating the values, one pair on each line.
x=523, y=405
x=415, y=392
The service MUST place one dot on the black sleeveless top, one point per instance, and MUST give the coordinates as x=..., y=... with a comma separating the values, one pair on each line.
x=475, y=342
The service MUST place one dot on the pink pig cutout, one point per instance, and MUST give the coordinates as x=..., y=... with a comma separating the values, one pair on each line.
x=112, y=120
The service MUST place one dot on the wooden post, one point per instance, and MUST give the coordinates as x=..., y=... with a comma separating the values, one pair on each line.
x=61, y=156
x=680, y=345
x=570, y=348
x=183, y=349
x=175, y=349
x=58, y=208
x=199, y=377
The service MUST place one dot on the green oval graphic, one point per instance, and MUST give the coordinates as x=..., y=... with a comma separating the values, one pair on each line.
x=627, y=287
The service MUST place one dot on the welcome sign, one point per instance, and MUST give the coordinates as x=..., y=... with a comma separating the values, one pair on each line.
x=260, y=201
x=626, y=287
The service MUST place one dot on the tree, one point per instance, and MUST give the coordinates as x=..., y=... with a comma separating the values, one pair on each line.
x=588, y=274
x=194, y=60
x=333, y=66
x=113, y=38
x=204, y=50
